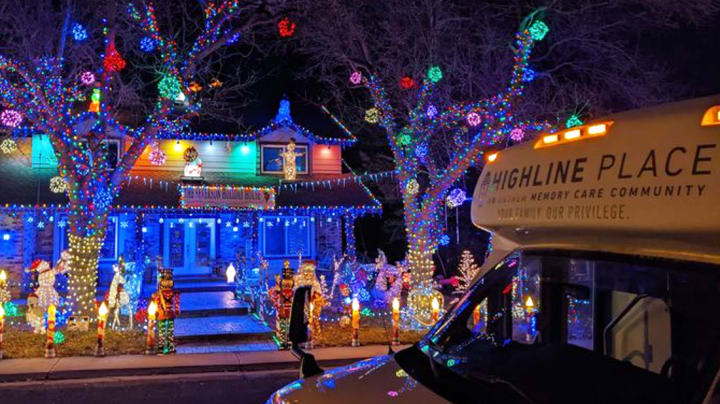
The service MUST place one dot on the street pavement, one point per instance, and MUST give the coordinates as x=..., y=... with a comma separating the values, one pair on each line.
x=237, y=387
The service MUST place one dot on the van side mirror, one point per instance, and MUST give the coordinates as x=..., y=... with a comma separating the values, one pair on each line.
x=298, y=334
x=298, y=326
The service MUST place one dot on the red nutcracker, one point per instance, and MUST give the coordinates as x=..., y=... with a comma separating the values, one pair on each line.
x=168, y=307
x=282, y=296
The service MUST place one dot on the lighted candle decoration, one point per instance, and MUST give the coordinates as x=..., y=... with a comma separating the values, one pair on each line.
x=476, y=316
x=396, y=321
x=530, y=309
x=102, y=316
x=230, y=273
x=2, y=324
x=355, y=322
x=50, y=332
x=150, y=337
x=435, y=309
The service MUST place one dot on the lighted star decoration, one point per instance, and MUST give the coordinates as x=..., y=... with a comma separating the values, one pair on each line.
x=8, y=146
x=11, y=118
x=58, y=185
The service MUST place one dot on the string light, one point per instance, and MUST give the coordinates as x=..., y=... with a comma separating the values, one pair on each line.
x=169, y=87
x=8, y=146
x=372, y=115
x=58, y=185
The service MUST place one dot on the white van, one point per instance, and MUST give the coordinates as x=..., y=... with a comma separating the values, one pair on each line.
x=603, y=285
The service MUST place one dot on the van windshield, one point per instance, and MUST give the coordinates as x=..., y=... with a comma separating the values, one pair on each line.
x=557, y=326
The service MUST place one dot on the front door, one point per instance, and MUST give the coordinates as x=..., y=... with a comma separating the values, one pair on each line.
x=189, y=246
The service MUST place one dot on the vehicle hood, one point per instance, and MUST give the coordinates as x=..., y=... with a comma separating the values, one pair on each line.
x=379, y=379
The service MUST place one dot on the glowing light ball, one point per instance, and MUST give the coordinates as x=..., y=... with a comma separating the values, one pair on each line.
x=87, y=78
x=405, y=138
x=8, y=146
x=422, y=150
x=147, y=44
x=573, y=121
x=434, y=74
x=538, y=30
x=286, y=28
x=10, y=118
x=455, y=198
x=407, y=83
x=58, y=185
x=431, y=112
x=517, y=134
x=372, y=115
x=529, y=75
x=412, y=186
x=157, y=157
x=473, y=119
x=356, y=77
x=169, y=87
x=444, y=239
x=79, y=32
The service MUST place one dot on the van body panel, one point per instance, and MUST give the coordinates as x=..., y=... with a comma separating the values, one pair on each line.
x=650, y=186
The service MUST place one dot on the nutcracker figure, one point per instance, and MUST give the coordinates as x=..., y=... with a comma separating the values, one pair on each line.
x=282, y=296
x=168, y=307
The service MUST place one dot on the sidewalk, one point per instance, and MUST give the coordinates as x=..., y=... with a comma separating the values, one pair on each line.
x=82, y=367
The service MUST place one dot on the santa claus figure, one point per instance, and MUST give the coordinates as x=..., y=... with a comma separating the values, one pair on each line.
x=168, y=307
x=282, y=296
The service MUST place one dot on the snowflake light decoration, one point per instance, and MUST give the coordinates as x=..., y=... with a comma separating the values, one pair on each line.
x=87, y=78
x=8, y=146
x=372, y=115
x=11, y=118
x=538, y=30
x=434, y=74
x=529, y=75
x=157, y=157
x=517, y=134
x=58, y=185
x=473, y=119
x=412, y=187
x=79, y=32
x=356, y=77
x=444, y=239
x=431, y=111
x=147, y=44
x=286, y=28
x=455, y=198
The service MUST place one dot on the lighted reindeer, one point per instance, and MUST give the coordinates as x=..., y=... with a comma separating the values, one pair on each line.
x=117, y=295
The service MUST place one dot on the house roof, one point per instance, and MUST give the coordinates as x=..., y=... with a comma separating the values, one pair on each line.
x=27, y=186
x=262, y=120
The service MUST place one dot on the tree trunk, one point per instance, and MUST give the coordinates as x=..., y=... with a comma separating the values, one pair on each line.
x=85, y=238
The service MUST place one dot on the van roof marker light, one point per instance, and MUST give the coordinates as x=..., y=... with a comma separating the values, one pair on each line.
x=711, y=117
x=573, y=134
x=490, y=158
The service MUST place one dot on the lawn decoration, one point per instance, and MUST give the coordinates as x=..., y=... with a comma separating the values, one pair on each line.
x=168, y=307
x=467, y=270
x=45, y=290
x=35, y=315
x=388, y=283
x=117, y=296
x=289, y=157
x=5, y=296
x=306, y=276
x=282, y=296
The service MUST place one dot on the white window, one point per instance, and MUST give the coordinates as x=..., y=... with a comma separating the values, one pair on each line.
x=286, y=236
x=272, y=161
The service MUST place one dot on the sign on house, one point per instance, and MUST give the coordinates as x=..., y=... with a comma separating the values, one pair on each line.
x=225, y=196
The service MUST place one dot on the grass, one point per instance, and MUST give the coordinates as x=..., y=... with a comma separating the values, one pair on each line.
x=24, y=344
x=372, y=332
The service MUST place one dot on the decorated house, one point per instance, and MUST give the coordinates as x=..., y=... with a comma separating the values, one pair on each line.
x=198, y=201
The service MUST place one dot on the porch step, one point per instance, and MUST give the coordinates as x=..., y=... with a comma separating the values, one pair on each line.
x=197, y=278
x=203, y=286
x=208, y=304
x=209, y=347
x=221, y=328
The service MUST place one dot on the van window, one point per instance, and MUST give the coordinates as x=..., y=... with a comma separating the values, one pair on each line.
x=657, y=316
